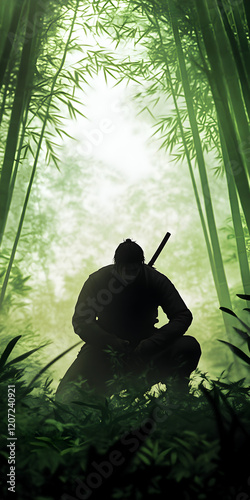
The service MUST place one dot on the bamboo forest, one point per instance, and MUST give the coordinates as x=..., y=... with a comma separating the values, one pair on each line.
x=124, y=120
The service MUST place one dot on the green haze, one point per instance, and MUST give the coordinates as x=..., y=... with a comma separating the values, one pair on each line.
x=110, y=130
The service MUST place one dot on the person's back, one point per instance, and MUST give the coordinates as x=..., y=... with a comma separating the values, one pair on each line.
x=125, y=307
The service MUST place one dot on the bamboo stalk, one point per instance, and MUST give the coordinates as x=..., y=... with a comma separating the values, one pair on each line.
x=193, y=181
x=17, y=161
x=247, y=11
x=234, y=204
x=236, y=165
x=7, y=275
x=222, y=282
x=6, y=10
x=227, y=67
x=4, y=98
x=16, y=116
x=196, y=194
x=234, y=168
x=8, y=46
x=237, y=223
x=243, y=41
x=35, y=45
x=239, y=56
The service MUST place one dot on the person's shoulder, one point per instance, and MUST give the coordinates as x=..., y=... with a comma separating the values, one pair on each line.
x=154, y=273
x=156, y=279
x=102, y=272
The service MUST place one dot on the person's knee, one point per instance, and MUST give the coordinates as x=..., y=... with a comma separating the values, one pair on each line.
x=190, y=346
x=192, y=343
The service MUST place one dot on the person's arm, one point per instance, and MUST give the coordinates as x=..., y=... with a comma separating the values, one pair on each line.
x=180, y=317
x=85, y=324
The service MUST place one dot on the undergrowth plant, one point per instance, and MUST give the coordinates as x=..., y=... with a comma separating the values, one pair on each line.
x=133, y=444
x=242, y=333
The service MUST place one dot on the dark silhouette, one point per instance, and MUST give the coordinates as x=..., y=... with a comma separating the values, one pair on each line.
x=118, y=308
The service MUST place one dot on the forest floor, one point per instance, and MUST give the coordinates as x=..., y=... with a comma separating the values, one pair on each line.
x=133, y=445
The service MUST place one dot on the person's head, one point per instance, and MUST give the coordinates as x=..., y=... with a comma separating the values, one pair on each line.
x=128, y=258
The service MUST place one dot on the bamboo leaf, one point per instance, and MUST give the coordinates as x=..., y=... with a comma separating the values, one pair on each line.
x=45, y=120
x=88, y=405
x=144, y=458
x=161, y=457
x=173, y=457
x=49, y=364
x=8, y=350
x=242, y=296
x=243, y=334
x=25, y=355
x=228, y=311
x=44, y=438
x=237, y=351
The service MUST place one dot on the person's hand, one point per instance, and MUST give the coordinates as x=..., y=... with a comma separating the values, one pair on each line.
x=123, y=346
x=134, y=361
x=142, y=351
x=120, y=345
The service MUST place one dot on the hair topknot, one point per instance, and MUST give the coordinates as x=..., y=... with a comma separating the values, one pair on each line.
x=128, y=252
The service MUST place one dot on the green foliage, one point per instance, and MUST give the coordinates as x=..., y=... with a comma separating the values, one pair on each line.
x=228, y=230
x=33, y=89
x=185, y=62
x=199, y=445
x=167, y=443
x=243, y=334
